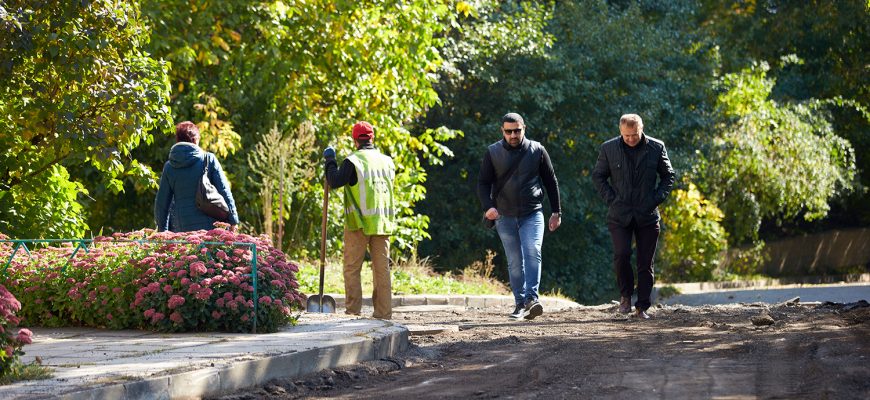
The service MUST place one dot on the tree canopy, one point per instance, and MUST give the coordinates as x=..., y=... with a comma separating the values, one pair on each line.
x=76, y=88
x=763, y=107
x=772, y=160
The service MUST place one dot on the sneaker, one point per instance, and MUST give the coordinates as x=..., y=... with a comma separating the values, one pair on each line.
x=533, y=309
x=641, y=314
x=519, y=312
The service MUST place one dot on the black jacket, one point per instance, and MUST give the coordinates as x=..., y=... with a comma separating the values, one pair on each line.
x=638, y=198
x=523, y=193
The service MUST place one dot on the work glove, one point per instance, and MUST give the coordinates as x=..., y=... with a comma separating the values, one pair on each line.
x=329, y=153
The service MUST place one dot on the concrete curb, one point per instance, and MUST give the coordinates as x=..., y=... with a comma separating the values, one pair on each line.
x=207, y=372
x=470, y=301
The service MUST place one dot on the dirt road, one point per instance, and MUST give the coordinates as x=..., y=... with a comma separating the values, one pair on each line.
x=791, y=351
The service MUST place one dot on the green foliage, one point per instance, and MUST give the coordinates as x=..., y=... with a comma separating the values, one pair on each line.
x=26, y=372
x=281, y=168
x=46, y=207
x=772, y=160
x=693, y=239
x=816, y=50
x=743, y=262
x=319, y=63
x=571, y=69
x=75, y=88
x=667, y=291
x=85, y=85
x=829, y=37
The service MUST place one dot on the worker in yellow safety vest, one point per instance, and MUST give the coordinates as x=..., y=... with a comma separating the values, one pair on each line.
x=367, y=176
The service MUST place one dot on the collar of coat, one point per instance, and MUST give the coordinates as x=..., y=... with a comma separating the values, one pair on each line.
x=643, y=140
x=523, y=145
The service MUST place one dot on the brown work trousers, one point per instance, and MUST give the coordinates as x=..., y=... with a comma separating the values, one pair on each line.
x=355, y=244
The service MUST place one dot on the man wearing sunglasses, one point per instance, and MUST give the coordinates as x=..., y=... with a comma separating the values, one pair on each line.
x=513, y=176
x=633, y=175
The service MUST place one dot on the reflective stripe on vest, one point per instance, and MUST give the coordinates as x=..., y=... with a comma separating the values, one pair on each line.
x=369, y=204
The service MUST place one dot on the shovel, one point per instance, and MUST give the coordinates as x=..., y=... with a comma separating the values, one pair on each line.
x=320, y=303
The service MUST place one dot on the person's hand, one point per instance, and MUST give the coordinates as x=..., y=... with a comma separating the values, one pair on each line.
x=492, y=214
x=555, y=221
x=329, y=153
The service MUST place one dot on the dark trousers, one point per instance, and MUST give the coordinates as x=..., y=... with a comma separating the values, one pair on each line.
x=646, y=238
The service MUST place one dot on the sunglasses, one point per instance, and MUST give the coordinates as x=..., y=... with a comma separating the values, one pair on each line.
x=512, y=131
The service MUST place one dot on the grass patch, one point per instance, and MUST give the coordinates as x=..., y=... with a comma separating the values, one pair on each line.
x=76, y=365
x=412, y=276
x=26, y=372
x=557, y=293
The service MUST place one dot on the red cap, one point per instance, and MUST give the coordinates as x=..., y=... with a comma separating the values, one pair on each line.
x=363, y=131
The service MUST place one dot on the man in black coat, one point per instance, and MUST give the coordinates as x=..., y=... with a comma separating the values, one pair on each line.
x=633, y=175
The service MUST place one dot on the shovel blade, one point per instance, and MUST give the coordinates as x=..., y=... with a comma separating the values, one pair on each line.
x=318, y=305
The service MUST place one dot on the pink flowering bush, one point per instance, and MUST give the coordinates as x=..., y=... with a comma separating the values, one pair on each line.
x=167, y=286
x=10, y=344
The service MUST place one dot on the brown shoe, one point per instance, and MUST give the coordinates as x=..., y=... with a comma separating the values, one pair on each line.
x=641, y=314
x=625, y=305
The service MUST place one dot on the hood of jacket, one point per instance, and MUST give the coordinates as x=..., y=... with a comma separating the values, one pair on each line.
x=184, y=154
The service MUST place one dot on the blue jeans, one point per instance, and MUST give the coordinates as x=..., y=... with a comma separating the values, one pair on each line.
x=522, y=238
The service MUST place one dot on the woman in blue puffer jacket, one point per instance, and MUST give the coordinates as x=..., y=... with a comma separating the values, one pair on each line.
x=180, y=180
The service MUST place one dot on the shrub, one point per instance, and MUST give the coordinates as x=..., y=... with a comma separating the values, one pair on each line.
x=694, y=239
x=10, y=345
x=667, y=291
x=744, y=262
x=178, y=282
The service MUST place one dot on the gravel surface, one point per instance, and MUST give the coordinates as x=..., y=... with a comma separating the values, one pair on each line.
x=793, y=351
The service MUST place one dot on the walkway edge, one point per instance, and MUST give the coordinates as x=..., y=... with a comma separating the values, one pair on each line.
x=472, y=301
x=382, y=343
x=704, y=287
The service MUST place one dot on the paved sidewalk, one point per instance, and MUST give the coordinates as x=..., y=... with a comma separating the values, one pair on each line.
x=840, y=293
x=103, y=364
x=470, y=301
x=769, y=283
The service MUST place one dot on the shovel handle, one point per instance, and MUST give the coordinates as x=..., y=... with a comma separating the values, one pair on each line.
x=323, y=237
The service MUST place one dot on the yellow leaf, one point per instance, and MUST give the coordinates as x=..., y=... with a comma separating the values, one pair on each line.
x=465, y=9
x=220, y=42
x=237, y=37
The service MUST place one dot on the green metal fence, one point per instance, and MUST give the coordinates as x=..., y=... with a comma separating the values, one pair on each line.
x=86, y=244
